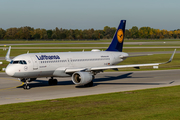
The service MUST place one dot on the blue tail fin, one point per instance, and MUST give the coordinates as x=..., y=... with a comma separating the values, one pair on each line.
x=118, y=39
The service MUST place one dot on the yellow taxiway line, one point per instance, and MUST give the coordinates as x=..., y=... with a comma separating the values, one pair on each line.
x=12, y=87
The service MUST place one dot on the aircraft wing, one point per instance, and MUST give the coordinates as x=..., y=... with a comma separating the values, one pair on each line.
x=71, y=70
x=133, y=65
x=123, y=66
x=134, y=56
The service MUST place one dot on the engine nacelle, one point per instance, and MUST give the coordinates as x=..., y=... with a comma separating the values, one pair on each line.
x=82, y=78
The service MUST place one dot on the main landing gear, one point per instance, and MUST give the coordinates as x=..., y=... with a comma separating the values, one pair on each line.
x=52, y=81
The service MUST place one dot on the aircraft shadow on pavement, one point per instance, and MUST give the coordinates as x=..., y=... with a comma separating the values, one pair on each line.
x=97, y=81
x=112, y=78
x=44, y=83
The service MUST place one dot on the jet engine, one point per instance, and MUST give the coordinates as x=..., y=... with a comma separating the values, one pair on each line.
x=82, y=78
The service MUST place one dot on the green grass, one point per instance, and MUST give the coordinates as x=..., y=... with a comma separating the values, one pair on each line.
x=150, y=104
x=49, y=41
x=15, y=52
x=147, y=49
x=63, y=45
x=5, y=63
x=149, y=40
x=77, y=41
x=96, y=45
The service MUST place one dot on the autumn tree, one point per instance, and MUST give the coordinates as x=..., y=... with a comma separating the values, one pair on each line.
x=49, y=34
x=134, y=32
x=2, y=33
x=11, y=33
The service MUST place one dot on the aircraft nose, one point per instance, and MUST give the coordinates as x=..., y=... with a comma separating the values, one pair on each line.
x=9, y=71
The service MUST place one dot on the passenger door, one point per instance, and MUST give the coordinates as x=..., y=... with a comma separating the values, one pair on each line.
x=35, y=63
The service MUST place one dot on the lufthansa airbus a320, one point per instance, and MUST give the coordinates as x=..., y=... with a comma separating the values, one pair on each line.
x=82, y=66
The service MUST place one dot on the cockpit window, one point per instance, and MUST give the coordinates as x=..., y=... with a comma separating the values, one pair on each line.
x=11, y=62
x=15, y=62
x=24, y=62
x=18, y=62
x=21, y=62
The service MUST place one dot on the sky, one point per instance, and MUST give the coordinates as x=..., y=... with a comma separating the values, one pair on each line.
x=87, y=14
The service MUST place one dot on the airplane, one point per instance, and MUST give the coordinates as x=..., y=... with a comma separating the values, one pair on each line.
x=81, y=66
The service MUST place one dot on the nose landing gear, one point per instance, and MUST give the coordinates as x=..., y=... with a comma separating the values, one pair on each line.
x=26, y=81
x=26, y=86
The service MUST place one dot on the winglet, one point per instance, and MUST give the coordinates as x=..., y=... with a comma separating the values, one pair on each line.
x=8, y=55
x=171, y=57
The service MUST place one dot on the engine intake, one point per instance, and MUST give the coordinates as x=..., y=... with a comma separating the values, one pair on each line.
x=82, y=78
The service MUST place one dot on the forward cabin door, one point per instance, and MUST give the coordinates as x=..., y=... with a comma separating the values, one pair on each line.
x=35, y=63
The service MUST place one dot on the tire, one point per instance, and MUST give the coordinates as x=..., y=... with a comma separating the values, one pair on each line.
x=50, y=81
x=26, y=87
x=55, y=82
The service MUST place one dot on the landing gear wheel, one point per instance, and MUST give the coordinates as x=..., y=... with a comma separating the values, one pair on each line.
x=89, y=84
x=52, y=82
x=26, y=87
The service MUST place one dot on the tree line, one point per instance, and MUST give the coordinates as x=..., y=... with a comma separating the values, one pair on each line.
x=150, y=33
x=29, y=33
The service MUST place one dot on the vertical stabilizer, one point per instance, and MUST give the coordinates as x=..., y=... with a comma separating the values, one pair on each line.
x=118, y=39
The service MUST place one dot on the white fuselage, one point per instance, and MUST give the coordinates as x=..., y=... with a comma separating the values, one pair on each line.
x=55, y=64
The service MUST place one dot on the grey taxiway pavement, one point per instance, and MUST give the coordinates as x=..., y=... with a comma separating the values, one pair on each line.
x=11, y=90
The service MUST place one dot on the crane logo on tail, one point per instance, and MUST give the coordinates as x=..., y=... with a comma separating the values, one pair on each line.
x=120, y=35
